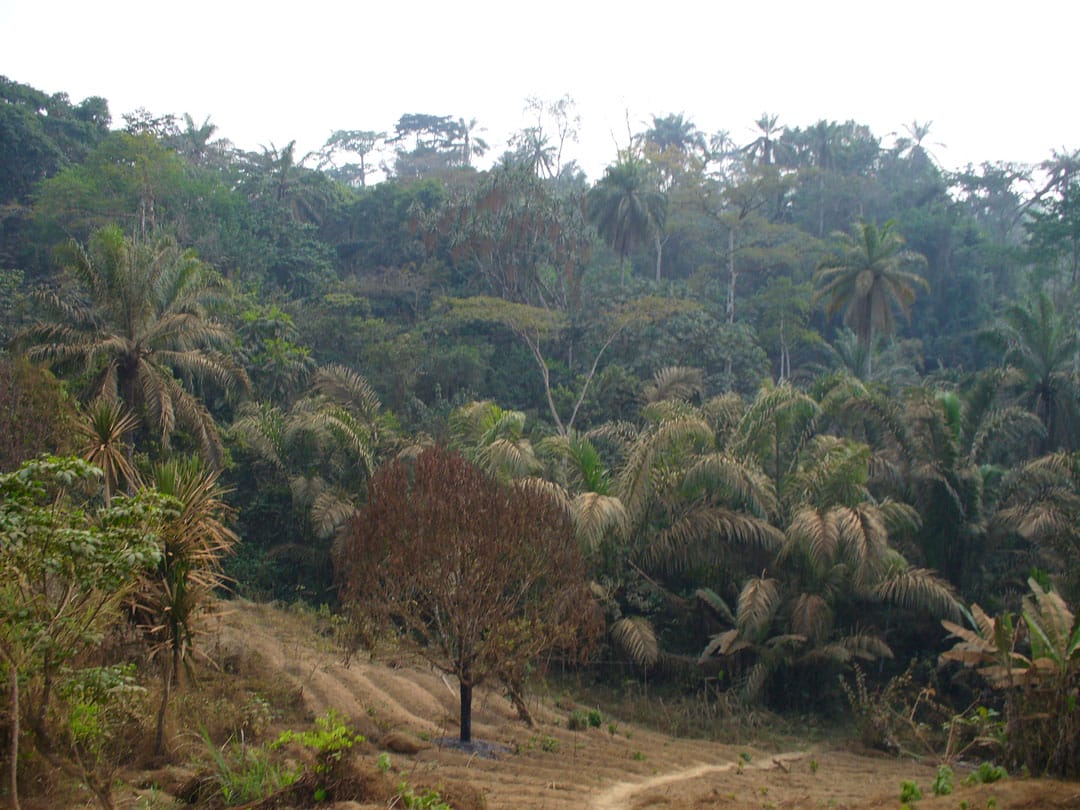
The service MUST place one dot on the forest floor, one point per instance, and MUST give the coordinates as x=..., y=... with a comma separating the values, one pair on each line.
x=405, y=709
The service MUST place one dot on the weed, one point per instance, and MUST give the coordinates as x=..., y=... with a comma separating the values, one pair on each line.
x=383, y=762
x=813, y=766
x=428, y=800
x=909, y=792
x=985, y=774
x=612, y=728
x=638, y=756
x=943, y=782
x=243, y=774
x=577, y=721
x=330, y=739
x=549, y=744
x=596, y=719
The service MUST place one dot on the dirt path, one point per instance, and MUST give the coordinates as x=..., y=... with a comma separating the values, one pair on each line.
x=618, y=797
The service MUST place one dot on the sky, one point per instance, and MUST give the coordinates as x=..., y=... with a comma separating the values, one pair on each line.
x=996, y=79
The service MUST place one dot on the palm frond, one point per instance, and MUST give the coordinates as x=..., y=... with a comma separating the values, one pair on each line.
x=635, y=637
x=919, y=589
x=597, y=516
x=758, y=602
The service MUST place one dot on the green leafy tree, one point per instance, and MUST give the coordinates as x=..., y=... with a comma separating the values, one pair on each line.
x=64, y=571
x=140, y=330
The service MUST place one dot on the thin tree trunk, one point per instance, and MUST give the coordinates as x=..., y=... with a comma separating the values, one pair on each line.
x=659, y=254
x=166, y=694
x=466, y=712
x=15, y=732
x=732, y=276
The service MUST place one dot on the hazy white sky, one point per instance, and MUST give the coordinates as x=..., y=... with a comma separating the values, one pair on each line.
x=997, y=79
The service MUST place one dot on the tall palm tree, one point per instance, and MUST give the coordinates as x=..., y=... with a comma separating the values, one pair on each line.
x=867, y=280
x=1041, y=343
x=142, y=333
x=627, y=210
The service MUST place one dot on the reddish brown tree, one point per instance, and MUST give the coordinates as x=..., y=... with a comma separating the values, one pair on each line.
x=479, y=577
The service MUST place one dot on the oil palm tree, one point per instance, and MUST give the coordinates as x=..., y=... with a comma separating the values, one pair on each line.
x=867, y=280
x=627, y=210
x=1041, y=343
x=141, y=333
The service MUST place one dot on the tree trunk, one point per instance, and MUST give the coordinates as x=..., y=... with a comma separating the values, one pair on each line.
x=659, y=254
x=732, y=276
x=466, y=711
x=166, y=694
x=13, y=751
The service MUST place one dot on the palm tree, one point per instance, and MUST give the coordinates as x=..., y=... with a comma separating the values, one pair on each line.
x=103, y=430
x=1041, y=343
x=143, y=334
x=765, y=147
x=493, y=439
x=627, y=210
x=867, y=280
x=171, y=597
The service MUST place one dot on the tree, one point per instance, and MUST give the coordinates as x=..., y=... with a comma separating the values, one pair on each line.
x=64, y=570
x=866, y=280
x=1041, y=343
x=172, y=594
x=479, y=577
x=627, y=210
x=142, y=333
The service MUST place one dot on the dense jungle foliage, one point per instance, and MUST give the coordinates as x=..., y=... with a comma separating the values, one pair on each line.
x=803, y=398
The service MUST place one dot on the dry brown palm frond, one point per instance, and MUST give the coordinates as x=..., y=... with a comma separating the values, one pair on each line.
x=726, y=643
x=707, y=536
x=330, y=510
x=919, y=589
x=811, y=616
x=596, y=516
x=635, y=637
x=758, y=602
x=816, y=533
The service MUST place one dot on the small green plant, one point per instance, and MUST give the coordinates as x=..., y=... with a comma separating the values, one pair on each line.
x=943, y=782
x=330, y=739
x=428, y=800
x=383, y=762
x=986, y=774
x=991, y=803
x=549, y=744
x=577, y=721
x=638, y=756
x=612, y=729
x=964, y=804
x=244, y=774
x=813, y=766
x=596, y=719
x=909, y=792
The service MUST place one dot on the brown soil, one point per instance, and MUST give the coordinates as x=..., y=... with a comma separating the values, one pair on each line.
x=401, y=705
